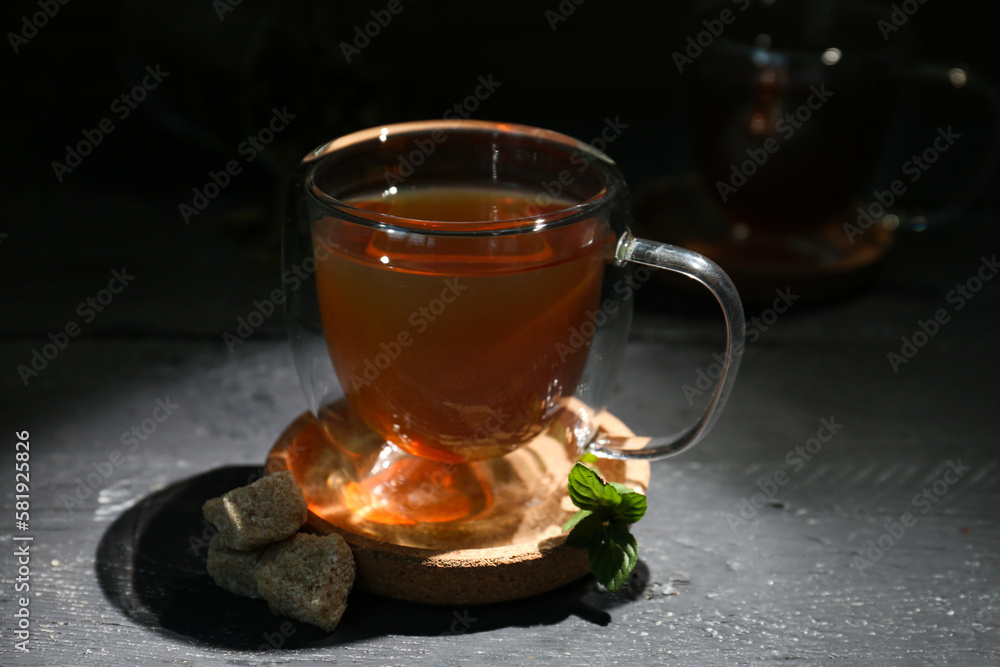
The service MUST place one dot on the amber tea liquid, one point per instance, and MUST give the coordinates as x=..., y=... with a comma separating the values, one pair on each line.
x=458, y=348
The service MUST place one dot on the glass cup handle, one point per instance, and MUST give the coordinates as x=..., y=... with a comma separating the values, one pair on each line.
x=706, y=272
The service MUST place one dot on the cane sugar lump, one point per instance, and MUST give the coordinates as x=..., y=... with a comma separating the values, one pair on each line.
x=307, y=577
x=271, y=509
x=232, y=569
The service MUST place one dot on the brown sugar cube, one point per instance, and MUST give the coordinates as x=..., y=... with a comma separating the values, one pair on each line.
x=270, y=509
x=232, y=569
x=307, y=578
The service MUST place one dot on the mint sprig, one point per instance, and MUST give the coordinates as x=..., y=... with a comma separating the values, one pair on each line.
x=601, y=525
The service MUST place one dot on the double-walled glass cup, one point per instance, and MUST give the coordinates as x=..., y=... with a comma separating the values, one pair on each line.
x=459, y=293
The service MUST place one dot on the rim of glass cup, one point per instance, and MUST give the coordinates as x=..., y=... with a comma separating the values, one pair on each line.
x=525, y=224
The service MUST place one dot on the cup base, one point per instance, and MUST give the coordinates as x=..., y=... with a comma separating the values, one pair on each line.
x=492, y=532
x=361, y=484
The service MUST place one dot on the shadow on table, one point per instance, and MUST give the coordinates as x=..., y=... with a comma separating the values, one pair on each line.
x=151, y=564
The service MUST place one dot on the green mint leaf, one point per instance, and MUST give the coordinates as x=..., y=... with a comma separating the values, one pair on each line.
x=575, y=519
x=589, y=457
x=601, y=525
x=631, y=508
x=589, y=533
x=613, y=560
x=610, y=497
x=586, y=489
x=619, y=533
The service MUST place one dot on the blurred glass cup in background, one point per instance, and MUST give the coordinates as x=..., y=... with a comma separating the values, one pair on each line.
x=808, y=145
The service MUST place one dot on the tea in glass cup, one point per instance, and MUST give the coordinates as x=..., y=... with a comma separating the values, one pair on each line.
x=463, y=327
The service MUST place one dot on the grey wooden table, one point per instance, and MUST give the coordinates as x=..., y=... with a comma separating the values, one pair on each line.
x=841, y=511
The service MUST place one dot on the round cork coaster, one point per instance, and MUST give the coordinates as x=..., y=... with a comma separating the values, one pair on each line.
x=453, y=576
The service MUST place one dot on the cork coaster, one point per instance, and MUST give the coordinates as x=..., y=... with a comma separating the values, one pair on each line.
x=455, y=576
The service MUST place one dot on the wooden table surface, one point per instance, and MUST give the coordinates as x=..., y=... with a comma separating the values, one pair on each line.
x=780, y=537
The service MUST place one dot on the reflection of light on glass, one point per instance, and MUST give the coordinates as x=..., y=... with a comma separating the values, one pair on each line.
x=890, y=222
x=390, y=191
x=763, y=41
x=831, y=56
x=919, y=223
x=539, y=223
x=761, y=58
x=741, y=232
x=957, y=76
x=384, y=134
x=384, y=259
